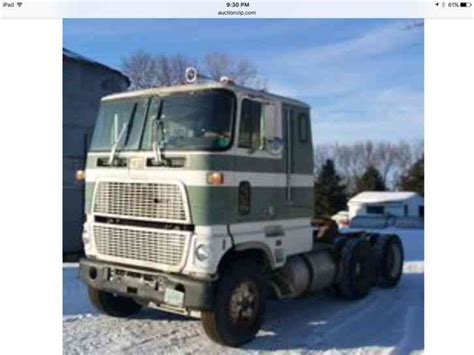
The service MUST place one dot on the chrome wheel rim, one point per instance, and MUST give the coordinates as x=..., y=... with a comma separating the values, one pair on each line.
x=244, y=303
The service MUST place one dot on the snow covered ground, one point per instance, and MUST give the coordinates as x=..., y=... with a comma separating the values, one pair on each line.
x=385, y=322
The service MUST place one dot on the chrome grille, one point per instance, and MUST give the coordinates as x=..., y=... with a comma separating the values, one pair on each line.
x=150, y=246
x=155, y=201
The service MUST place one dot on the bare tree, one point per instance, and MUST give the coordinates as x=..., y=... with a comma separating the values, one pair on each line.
x=146, y=70
x=142, y=69
x=419, y=149
x=217, y=65
x=406, y=156
x=385, y=158
x=369, y=154
x=349, y=163
x=171, y=69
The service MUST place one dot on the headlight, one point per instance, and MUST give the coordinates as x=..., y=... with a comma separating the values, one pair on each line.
x=202, y=252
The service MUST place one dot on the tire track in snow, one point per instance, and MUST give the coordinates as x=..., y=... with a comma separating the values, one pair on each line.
x=410, y=332
x=344, y=319
x=316, y=315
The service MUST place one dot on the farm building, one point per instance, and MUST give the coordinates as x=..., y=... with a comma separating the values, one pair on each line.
x=85, y=82
x=384, y=208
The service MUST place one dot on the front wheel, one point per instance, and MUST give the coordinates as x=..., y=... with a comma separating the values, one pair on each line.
x=239, y=307
x=115, y=306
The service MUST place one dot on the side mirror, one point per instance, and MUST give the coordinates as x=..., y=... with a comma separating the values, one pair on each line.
x=272, y=137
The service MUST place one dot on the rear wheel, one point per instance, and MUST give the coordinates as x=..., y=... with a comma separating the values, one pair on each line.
x=240, y=305
x=116, y=306
x=389, y=255
x=357, y=269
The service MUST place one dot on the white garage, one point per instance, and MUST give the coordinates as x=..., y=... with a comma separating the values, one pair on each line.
x=387, y=207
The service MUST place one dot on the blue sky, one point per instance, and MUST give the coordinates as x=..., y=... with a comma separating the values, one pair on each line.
x=362, y=78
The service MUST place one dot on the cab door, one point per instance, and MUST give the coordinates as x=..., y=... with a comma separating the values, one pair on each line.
x=298, y=155
x=289, y=157
x=257, y=166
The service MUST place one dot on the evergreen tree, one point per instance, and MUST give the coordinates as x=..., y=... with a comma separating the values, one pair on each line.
x=414, y=179
x=371, y=180
x=329, y=193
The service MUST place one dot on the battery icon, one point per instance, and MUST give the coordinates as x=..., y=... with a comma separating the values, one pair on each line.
x=465, y=4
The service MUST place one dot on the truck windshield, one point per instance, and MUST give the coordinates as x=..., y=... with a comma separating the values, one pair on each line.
x=199, y=120
x=194, y=120
x=119, y=122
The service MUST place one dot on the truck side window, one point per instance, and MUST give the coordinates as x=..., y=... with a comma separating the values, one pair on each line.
x=244, y=197
x=303, y=128
x=250, y=124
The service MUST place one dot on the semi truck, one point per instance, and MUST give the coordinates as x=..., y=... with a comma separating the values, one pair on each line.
x=199, y=201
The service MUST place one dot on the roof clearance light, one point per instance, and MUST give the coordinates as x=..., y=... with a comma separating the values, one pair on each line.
x=226, y=80
x=215, y=179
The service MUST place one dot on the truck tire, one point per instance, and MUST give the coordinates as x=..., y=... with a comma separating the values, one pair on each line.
x=357, y=269
x=115, y=306
x=389, y=257
x=240, y=304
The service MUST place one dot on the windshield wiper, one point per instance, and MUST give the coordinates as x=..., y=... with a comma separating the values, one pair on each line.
x=114, y=147
x=157, y=149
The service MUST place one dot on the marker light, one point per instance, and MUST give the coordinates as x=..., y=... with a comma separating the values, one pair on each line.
x=215, y=179
x=226, y=80
x=80, y=175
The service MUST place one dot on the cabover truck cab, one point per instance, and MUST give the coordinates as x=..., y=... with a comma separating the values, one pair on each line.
x=199, y=200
